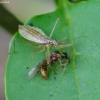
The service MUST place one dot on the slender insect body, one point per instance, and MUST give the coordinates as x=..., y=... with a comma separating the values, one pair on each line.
x=37, y=35
x=43, y=65
x=33, y=34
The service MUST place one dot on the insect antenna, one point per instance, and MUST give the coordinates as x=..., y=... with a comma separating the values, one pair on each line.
x=54, y=27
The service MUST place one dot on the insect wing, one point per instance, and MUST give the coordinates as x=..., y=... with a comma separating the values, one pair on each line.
x=34, y=70
x=33, y=34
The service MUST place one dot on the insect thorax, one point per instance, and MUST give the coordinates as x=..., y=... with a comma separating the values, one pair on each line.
x=53, y=42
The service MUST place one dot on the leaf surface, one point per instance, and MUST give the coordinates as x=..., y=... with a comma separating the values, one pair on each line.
x=81, y=80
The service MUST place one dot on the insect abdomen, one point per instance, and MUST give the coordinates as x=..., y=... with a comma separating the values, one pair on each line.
x=43, y=72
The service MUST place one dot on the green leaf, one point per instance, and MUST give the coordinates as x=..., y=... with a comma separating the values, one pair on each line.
x=81, y=80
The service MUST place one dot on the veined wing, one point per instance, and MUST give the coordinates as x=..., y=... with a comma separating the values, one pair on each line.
x=33, y=34
x=35, y=70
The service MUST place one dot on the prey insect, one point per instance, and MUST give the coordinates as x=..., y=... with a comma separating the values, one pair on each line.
x=43, y=65
x=38, y=36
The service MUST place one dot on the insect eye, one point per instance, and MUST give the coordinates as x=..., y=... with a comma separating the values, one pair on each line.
x=64, y=55
x=50, y=42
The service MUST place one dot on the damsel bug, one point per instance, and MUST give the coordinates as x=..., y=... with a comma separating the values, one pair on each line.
x=38, y=36
x=43, y=65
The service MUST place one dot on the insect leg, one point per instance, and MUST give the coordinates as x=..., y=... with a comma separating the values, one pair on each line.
x=63, y=65
x=65, y=45
x=48, y=54
x=25, y=43
x=54, y=27
x=19, y=41
x=62, y=39
x=52, y=69
x=40, y=50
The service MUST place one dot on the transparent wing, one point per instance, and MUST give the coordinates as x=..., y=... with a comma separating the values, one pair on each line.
x=33, y=34
x=34, y=70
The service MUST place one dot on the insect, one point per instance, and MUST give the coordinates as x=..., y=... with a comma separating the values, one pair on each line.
x=38, y=36
x=43, y=65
